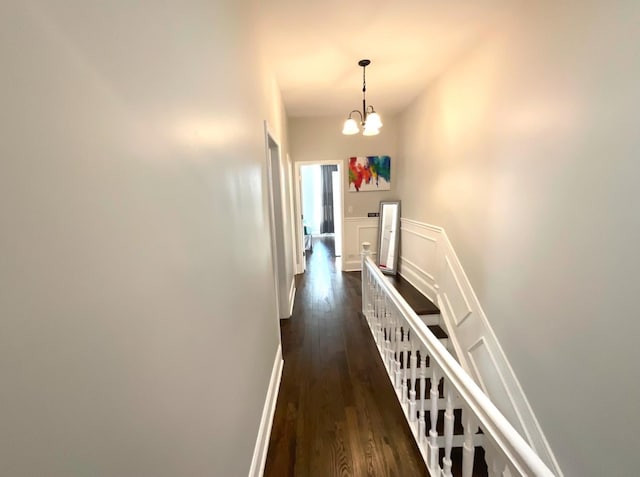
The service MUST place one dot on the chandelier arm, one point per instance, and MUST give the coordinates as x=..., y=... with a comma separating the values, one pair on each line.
x=361, y=115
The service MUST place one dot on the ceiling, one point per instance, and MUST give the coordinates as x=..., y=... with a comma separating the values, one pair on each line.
x=314, y=48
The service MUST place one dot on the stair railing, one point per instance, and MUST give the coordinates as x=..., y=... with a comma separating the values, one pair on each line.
x=428, y=380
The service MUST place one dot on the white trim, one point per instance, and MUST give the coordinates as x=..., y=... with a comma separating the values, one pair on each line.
x=416, y=276
x=292, y=214
x=434, y=228
x=297, y=209
x=264, y=432
x=297, y=220
x=458, y=317
x=292, y=296
x=355, y=265
x=275, y=219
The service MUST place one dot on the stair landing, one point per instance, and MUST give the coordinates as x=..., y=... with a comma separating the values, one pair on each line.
x=416, y=300
x=422, y=306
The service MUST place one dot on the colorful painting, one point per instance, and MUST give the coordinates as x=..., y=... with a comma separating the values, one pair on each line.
x=369, y=173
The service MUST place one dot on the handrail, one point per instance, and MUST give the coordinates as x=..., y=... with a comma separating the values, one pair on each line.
x=507, y=441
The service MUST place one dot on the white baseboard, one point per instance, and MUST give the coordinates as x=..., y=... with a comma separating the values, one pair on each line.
x=292, y=296
x=264, y=433
x=355, y=265
x=352, y=266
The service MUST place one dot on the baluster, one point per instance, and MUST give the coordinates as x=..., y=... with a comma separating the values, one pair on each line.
x=394, y=345
x=405, y=372
x=383, y=323
x=384, y=335
x=433, y=432
x=364, y=253
x=399, y=357
x=388, y=346
x=379, y=335
x=448, y=429
x=422, y=424
x=370, y=300
x=405, y=363
x=468, y=448
x=412, y=391
x=376, y=301
x=378, y=320
x=496, y=464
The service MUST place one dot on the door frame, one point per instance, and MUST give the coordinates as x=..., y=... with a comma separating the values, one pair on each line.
x=339, y=215
x=275, y=186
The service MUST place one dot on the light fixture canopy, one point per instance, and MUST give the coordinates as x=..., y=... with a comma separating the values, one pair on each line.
x=369, y=118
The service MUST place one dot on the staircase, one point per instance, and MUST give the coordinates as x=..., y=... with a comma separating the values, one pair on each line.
x=429, y=313
x=458, y=430
x=423, y=307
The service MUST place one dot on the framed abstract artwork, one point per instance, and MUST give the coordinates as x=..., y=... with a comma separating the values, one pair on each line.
x=369, y=173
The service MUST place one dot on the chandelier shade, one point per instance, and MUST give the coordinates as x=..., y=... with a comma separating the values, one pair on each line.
x=350, y=127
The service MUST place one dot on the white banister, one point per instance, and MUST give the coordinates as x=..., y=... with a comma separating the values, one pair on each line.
x=400, y=335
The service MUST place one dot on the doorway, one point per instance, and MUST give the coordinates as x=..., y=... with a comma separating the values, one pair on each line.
x=318, y=206
x=276, y=217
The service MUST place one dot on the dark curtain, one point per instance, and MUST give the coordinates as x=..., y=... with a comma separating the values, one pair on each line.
x=327, y=226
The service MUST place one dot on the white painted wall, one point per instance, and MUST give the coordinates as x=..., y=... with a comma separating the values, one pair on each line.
x=137, y=310
x=525, y=152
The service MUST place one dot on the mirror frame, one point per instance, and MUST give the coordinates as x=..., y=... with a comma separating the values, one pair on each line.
x=385, y=270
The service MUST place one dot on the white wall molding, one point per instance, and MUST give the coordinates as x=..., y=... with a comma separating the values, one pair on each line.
x=292, y=296
x=429, y=262
x=355, y=231
x=418, y=278
x=264, y=432
x=454, y=294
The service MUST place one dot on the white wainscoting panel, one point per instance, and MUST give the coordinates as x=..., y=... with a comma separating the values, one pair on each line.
x=453, y=294
x=419, y=257
x=429, y=262
x=494, y=384
x=355, y=231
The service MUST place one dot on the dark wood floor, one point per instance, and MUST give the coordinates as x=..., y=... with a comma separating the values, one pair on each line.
x=337, y=414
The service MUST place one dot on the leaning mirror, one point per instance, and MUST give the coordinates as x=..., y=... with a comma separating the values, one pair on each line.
x=388, y=236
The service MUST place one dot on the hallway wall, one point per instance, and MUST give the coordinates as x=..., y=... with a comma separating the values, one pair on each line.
x=133, y=209
x=529, y=146
x=320, y=139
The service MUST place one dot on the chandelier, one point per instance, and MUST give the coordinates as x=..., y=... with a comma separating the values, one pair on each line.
x=369, y=119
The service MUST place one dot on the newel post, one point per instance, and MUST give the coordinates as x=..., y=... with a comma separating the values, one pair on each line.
x=365, y=252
